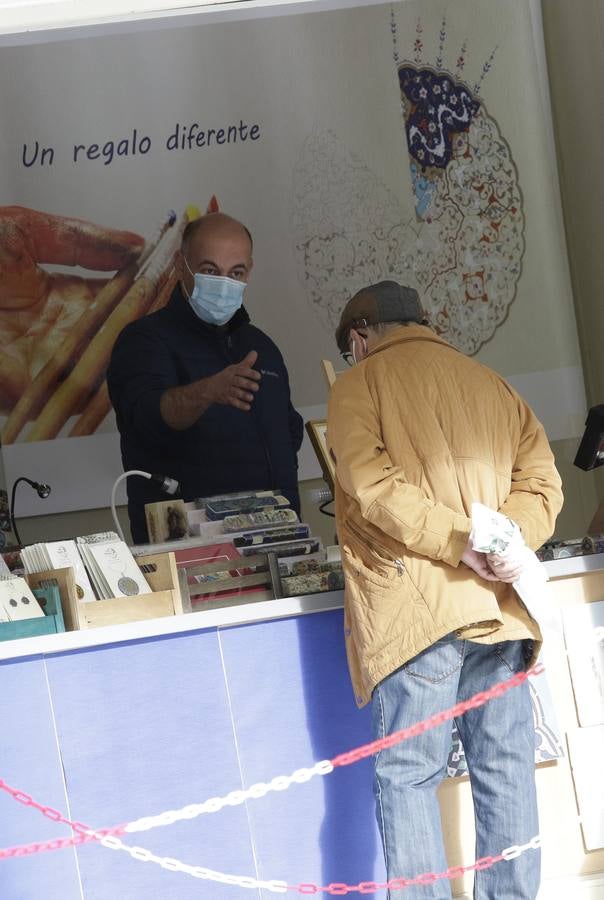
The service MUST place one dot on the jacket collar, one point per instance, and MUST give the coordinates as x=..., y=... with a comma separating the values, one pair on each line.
x=181, y=308
x=406, y=334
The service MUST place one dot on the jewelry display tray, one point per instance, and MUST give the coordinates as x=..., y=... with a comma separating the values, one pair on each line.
x=164, y=600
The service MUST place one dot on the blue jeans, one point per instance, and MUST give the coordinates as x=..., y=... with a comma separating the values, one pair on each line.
x=498, y=739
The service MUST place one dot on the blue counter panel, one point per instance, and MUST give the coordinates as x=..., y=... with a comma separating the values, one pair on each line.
x=292, y=706
x=29, y=760
x=145, y=727
x=156, y=724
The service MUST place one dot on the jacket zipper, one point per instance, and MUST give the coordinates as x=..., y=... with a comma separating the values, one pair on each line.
x=397, y=563
x=265, y=449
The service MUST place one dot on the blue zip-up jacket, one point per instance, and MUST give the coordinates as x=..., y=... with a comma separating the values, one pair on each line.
x=226, y=449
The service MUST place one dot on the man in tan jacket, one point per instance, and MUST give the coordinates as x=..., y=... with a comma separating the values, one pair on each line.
x=419, y=432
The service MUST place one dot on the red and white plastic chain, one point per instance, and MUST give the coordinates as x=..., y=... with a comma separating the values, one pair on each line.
x=397, y=884
x=337, y=889
x=279, y=783
x=83, y=833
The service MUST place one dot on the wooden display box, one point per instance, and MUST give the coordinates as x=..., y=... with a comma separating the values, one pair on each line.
x=51, y=623
x=254, y=587
x=165, y=600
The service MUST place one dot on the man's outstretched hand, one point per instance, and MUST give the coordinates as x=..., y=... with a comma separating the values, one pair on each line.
x=237, y=384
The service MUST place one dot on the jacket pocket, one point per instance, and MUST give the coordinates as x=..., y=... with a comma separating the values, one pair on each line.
x=385, y=566
x=382, y=558
x=381, y=598
x=383, y=576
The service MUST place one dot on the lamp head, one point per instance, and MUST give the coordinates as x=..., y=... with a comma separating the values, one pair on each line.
x=42, y=489
x=168, y=485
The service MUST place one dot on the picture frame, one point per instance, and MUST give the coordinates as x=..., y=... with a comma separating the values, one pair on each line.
x=317, y=432
x=166, y=521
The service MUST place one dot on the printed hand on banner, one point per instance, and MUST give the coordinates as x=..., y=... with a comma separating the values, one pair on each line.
x=38, y=307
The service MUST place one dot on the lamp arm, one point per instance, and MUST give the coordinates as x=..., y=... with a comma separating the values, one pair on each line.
x=116, y=484
x=13, y=524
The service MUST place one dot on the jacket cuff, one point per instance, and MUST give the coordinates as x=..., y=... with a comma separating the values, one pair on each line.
x=460, y=535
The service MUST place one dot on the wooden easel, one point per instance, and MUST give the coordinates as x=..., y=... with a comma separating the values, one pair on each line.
x=329, y=372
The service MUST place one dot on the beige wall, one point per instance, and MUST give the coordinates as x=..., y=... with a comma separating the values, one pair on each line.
x=574, y=35
x=580, y=492
x=62, y=526
x=574, y=38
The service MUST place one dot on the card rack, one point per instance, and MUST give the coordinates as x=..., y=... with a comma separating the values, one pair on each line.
x=164, y=600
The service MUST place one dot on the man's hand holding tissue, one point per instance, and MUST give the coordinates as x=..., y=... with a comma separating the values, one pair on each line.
x=478, y=562
x=504, y=567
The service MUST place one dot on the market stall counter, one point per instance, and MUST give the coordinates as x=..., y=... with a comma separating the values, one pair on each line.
x=120, y=723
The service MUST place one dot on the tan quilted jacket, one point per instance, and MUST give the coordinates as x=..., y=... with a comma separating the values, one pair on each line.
x=419, y=431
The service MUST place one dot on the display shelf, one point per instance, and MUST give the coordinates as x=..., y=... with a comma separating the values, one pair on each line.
x=163, y=600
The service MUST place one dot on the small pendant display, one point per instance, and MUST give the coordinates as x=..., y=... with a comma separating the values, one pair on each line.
x=128, y=586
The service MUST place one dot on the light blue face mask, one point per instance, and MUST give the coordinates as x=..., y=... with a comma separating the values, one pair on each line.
x=215, y=299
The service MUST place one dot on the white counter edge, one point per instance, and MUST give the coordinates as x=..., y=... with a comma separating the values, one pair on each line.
x=574, y=565
x=241, y=614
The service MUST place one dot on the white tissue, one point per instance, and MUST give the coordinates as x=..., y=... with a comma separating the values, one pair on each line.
x=493, y=532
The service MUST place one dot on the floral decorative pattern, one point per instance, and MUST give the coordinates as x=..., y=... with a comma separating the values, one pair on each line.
x=436, y=109
x=464, y=247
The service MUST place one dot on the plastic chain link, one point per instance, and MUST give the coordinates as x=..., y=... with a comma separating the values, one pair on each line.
x=140, y=854
x=235, y=798
x=335, y=889
x=56, y=844
x=83, y=833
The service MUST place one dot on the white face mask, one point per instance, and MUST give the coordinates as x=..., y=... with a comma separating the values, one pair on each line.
x=215, y=298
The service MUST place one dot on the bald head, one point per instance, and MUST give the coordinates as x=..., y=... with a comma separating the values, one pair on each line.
x=215, y=224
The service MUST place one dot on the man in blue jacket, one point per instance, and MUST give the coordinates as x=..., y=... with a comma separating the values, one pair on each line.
x=201, y=394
